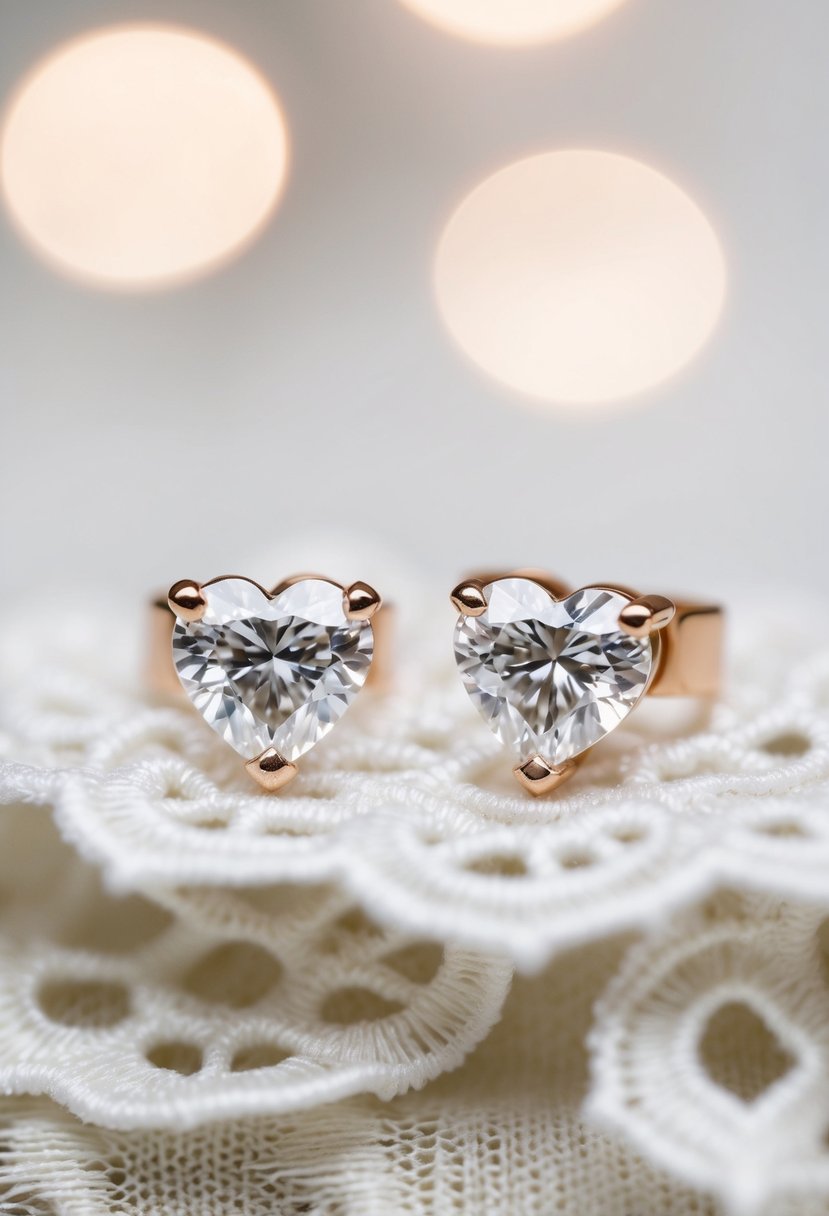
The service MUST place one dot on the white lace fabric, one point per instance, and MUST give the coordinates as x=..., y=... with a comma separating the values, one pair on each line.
x=259, y=994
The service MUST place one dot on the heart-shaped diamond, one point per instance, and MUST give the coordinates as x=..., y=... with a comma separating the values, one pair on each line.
x=551, y=677
x=272, y=671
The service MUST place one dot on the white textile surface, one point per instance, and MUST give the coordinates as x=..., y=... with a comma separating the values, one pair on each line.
x=302, y=1003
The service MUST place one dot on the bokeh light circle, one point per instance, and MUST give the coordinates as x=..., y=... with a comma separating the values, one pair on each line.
x=512, y=22
x=140, y=156
x=579, y=276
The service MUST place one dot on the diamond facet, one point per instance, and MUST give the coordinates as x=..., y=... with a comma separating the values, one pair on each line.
x=272, y=672
x=551, y=677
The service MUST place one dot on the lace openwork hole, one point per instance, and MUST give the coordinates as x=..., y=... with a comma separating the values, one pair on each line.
x=348, y=1006
x=177, y=783
x=576, y=859
x=209, y=824
x=116, y=926
x=784, y=828
x=289, y=830
x=258, y=1055
x=236, y=973
x=86, y=1004
x=628, y=834
x=418, y=963
x=741, y=1054
x=277, y=900
x=823, y=946
x=352, y=926
x=175, y=792
x=791, y=743
x=175, y=1056
x=356, y=922
x=17, y=1201
x=505, y=865
x=429, y=740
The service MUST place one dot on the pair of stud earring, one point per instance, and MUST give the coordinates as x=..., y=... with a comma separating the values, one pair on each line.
x=551, y=671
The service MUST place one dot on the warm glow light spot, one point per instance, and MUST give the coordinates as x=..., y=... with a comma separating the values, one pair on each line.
x=513, y=22
x=579, y=276
x=141, y=156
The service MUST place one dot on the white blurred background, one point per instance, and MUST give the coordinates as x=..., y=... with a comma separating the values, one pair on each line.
x=311, y=384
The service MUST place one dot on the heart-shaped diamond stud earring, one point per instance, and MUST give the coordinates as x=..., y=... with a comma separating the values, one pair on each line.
x=270, y=671
x=553, y=671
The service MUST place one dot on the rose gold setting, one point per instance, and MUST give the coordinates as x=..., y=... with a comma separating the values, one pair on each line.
x=271, y=771
x=468, y=597
x=187, y=600
x=686, y=639
x=538, y=776
x=360, y=602
x=644, y=615
x=691, y=663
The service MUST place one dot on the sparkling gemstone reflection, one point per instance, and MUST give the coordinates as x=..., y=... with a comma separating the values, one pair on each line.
x=272, y=672
x=551, y=678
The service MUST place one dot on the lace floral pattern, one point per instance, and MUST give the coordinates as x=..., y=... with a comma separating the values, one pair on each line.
x=164, y=1013
x=178, y=950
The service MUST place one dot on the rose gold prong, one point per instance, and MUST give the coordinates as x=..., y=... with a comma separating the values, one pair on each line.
x=186, y=600
x=271, y=770
x=539, y=777
x=360, y=602
x=469, y=598
x=645, y=615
